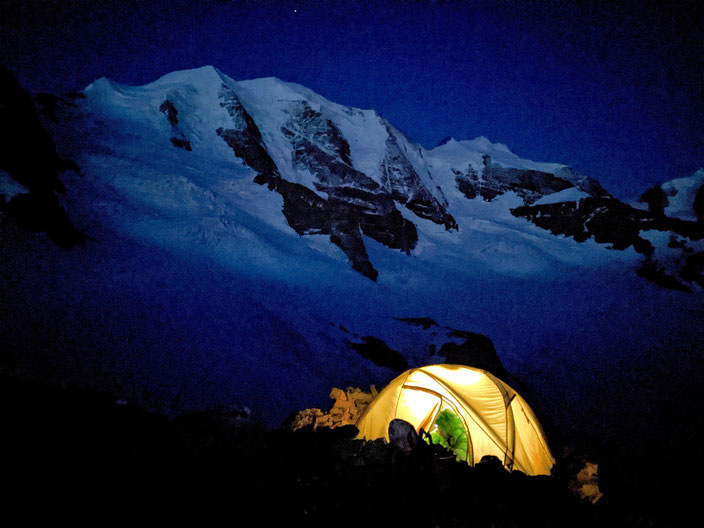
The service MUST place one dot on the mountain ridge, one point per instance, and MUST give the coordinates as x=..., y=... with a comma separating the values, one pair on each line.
x=347, y=173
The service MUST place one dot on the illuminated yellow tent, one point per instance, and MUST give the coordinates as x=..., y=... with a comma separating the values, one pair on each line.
x=497, y=421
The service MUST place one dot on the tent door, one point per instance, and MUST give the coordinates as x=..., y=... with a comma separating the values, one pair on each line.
x=450, y=416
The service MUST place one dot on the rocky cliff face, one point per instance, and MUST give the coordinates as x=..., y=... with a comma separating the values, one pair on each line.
x=610, y=221
x=405, y=185
x=355, y=203
x=495, y=180
x=244, y=138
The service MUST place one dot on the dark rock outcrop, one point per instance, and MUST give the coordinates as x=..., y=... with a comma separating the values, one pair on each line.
x=468, y=183
x=584, y=183
x=656, y=198
x=47, y=104
x=244, y=138
x=27, y=152
x=181, y=143
x=653, y=272
x=179, y=140
x=28, y=155
x=168, y=108
x=607, y=220
x=693, y=269
x=610, y=221
x=42, y=212
x=309, y=214
x=495, y=180
x=380, y=353
x=698, y=204
x=477, y=351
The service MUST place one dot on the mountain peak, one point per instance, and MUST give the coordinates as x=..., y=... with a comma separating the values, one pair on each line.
x=446, y=140
x=484, y=143
x=203, y=75
x=207, y=77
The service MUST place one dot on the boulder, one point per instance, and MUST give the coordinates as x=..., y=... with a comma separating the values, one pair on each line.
x=402, y=437
x=586, y=483
x=348, y=407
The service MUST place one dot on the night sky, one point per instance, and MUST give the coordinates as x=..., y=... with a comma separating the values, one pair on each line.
x=615, y=91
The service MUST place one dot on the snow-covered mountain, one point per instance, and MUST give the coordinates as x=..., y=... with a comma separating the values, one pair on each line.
x=248, y=239
x=347, y=174
x=341, y=172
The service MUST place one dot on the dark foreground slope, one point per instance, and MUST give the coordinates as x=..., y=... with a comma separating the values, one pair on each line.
x=72, y=454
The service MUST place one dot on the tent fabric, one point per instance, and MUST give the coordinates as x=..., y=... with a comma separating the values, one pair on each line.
x=497, y=419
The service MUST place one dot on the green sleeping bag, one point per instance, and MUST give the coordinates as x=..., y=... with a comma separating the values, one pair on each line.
x=448, y=431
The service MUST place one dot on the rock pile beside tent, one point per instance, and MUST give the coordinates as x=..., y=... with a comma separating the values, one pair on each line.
x=348, y=407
